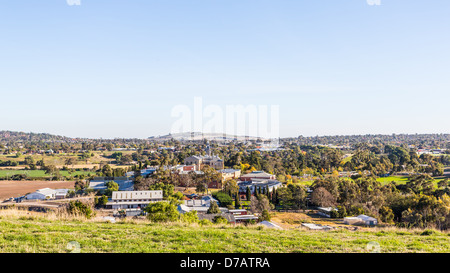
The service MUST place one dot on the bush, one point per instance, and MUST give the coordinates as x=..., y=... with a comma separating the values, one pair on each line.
x=427, y=232
x=101, y=201
x=80, y=208
x=190, y=217
x=162, y=212
x=265, y=215
x=204, y=222
x=213, y=208
x=223, y=198
x=220, y=220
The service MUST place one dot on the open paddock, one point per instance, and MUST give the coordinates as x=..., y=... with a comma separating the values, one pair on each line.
x=18, y=188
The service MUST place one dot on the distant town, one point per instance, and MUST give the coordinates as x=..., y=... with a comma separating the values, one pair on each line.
x=322, y=183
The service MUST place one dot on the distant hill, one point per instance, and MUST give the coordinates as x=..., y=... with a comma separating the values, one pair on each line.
x=208, y=136
x=32, y=137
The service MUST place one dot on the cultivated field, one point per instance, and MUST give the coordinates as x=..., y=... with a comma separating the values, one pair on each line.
x=18, y=188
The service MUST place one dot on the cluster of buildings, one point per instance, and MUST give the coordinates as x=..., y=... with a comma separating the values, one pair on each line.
x=133, y=202
x=431, y=151
x=201, y=206
x=358, y=220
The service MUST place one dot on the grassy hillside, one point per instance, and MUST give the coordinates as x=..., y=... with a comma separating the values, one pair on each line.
x=22, y=232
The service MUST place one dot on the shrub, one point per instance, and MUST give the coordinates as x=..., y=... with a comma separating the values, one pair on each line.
x=162, y=212
x=223, y=198
x=80, y=208
x=213, y=208
x=220, y=220
x=190, y=217
x=265, y=216
x=428, y=232
x=101, y=201
x=204, y=222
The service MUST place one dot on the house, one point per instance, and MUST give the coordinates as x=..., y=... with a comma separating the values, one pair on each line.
x=42, y=194
x=256, y=184
x=228, y=174
x=210, y=160
x=201, y=205
x=61, y=193
x=326, y=211
x=242, y=215
x=147, y=172
x=133, y=199
x=244, y=218
x=210, y=217
x=204, y=201
x=238, y=211
x=232, y=218
x=361, y=220
x=257, y=175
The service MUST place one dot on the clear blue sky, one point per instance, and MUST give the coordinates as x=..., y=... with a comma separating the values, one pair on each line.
x=116, y=68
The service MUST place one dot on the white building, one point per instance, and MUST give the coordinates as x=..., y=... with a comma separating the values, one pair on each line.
x=201, y=205
x=133, y=199
x=42, y=194
x=326, y=211
x=361, y=220
x=61, y=193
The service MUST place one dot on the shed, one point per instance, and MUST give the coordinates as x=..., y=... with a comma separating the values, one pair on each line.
x=42, y=194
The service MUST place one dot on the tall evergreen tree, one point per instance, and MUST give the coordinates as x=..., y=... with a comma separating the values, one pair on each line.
x=248, y=194
x=237, y=203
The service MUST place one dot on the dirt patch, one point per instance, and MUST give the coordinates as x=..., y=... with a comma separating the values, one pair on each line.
x=18, y=188
x=294, y=220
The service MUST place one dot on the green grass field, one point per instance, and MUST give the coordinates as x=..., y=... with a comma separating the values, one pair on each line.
x=397, y=179
x=36, y=234
x=39, y=173
x=402, y=179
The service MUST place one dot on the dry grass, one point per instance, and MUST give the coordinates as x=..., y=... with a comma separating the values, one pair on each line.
x=24, y=231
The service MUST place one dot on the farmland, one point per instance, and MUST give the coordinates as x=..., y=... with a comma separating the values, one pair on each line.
x=36, y=174
x=59, y=160
x=18, y=188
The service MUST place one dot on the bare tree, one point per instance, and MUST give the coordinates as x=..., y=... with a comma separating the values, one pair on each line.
x=323, y=198
x=258, y=205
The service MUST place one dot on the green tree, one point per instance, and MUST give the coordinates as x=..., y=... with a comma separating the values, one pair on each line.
x=110, y=187
x=237, y=203
x=213, y=208
x=162, y=212
x=79, y=208
x=248, y=194
x=218, y=219
x=265, y=215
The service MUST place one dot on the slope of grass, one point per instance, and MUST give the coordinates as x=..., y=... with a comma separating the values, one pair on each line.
x=19, y=233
